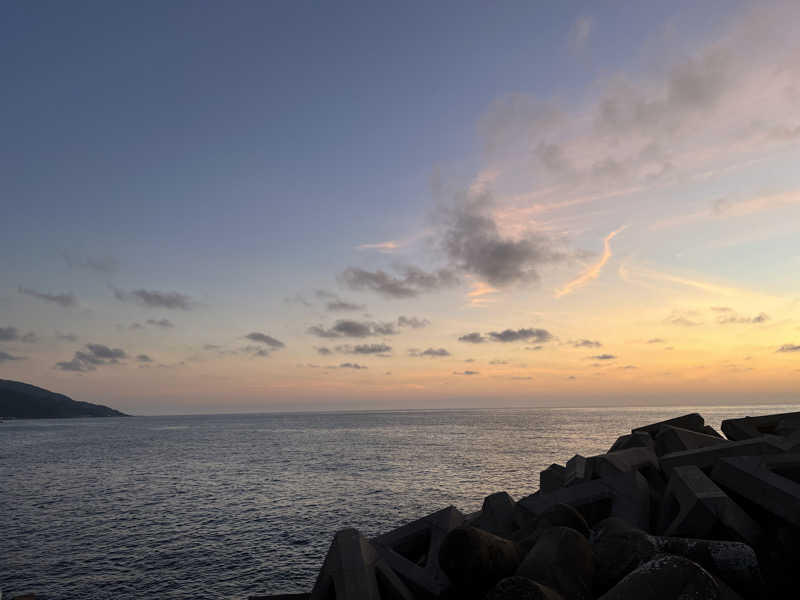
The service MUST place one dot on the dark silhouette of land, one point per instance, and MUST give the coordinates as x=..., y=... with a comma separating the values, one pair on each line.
x=24, y=401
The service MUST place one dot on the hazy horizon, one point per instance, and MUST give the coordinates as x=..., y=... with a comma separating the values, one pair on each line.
x=264, y=207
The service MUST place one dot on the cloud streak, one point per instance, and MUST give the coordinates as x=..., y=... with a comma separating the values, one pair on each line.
x=593, y=271
x=155, y=299
x=65, y=299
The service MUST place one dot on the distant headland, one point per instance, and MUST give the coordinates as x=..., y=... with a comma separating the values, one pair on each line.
x=24, y=401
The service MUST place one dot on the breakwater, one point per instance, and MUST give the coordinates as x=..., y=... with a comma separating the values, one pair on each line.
x=673, y=510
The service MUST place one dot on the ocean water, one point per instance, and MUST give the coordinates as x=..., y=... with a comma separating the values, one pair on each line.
x=229, y=505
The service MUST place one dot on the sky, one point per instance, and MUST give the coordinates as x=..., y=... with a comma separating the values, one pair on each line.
x=241, y=207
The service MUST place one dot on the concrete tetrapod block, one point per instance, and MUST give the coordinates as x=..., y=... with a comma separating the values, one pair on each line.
x=676, y=439
x=622, y=461
x=561, y=559
x=551, y=478
x=692, y=421
x=497, y=515
x=624, y=495
x=476, y=560
x=578, y=469
x=694, y=506
x=754, y=478
x=412, y=550
x=521, y=588
x=669, y=577
x=752, y=427
x=706, y=458
x=353, y=570
x=638, y=439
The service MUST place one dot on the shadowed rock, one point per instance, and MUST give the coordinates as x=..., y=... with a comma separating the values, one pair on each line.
x=561, y=559
x=521, y=588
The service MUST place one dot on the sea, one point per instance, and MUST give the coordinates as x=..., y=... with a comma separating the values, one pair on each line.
x=227, y=506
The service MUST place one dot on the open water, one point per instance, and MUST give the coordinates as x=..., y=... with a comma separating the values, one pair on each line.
x=229, y=505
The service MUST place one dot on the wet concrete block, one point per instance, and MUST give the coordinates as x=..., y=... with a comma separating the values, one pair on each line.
x=624, y=495
x=753, y=427
x=497, y=515
x=691, y=421
x=560, y=515
x=694, y=506
x=521, y=588
x=475, y=560
x=622, y=461
x=676, y=439
x=354, y=570
x=770, y=482
x=551, y=478
x=412, y=550
x=639, y=439
x=706, y=458
x=561, y=559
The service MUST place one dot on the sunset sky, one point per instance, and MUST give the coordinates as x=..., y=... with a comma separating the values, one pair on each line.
x=251, y=206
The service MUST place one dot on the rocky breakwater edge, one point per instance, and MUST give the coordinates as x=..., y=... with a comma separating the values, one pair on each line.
x=674, y=510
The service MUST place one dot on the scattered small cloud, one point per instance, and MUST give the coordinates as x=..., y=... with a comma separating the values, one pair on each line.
x=430, y=352
x=586, y=344
x=733, y=318
x=498, y=362
x=656, y=341
x=356, y=329
x=162, y=323
x=65, y=299
x=323, y=350
x=472, y=338
x=789, y=348
x=412, y=322
x=263, y=338
x=340, y=305
x=466, y=372
x=155, y=299
x=525, y=334
x=12, y=334
x=683, y=318
x=580, y=32
x=95, y=355
x=349, y=365
x=66, y=337
x=410, y=282
x=364, y=349
x=298, y=299
x=534, y=348
x=143, y=358
x=6, y=357
x=603, y=357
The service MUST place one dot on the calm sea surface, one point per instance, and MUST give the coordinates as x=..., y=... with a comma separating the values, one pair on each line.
x=229, y=505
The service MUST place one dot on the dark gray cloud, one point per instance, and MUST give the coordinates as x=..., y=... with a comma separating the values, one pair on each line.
x=162, y=323
x=364, y=349
x=263, y=338
x=349, y=365
x=603, y=357
x=143, y=358
x=100, y=264
x=94, y=356
x=430, y=352
x=12, y=334
x=525, y=334
x=413, y=322
x=472, y=338
x=356, y=329
x=155, y=299
x=410, y=282
x=340, y=305
x=6, y=357
x=322, y=350
x=586, y=344
x=466, y=372
x=65, y=299
x=9, y=334
x=789, y=348
x=472, y=241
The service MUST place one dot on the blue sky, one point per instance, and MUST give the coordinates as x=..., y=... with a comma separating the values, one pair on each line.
x=241, y=156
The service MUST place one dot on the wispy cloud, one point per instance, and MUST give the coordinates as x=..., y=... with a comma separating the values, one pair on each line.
x=100, y=264
x=92, y=357
x=364, y=349
x=355, y=329
x=65, y=299
x=430, y=352
x=155, y=299
x=411, y=281
x=789, y=348
x=580, y=32
x=6, y=357
x=594, y=270
x=389, y=246
x=412, y=322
